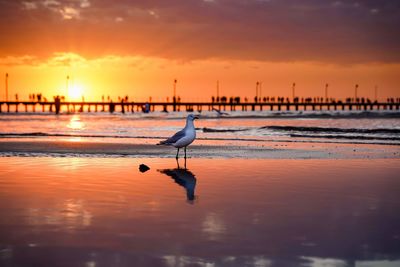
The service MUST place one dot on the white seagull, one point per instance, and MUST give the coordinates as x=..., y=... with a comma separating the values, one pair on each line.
x=184, y=137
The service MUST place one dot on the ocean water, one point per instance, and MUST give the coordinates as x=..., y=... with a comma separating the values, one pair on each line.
x=257, y=127
x=65, y=211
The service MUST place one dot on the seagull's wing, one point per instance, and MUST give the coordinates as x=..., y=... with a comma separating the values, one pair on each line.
x=173, y=139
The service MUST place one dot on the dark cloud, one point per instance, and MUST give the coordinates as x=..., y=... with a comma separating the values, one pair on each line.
x=284, y=30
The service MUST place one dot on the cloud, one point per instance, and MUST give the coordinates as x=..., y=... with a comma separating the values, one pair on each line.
x=24, y=60
x=374, y=10
x=285, y=30
x=119, y=19
x=29, y=5
x=66, y=60
x=50, y=3
x=85, y=3
x=69, y=13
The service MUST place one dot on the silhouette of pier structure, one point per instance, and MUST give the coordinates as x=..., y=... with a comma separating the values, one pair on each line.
x=57, y=106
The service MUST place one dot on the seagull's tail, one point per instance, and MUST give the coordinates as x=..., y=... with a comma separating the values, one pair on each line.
x=162, y=143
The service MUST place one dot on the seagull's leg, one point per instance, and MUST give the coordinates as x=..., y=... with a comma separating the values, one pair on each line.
x=185, y=153
x=185, y=163
x=177, y=153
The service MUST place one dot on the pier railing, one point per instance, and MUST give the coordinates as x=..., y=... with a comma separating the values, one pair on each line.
x=123, y=107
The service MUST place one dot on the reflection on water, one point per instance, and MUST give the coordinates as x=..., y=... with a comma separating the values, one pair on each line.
x=70, y=215
x=213, y=226
x=69, y=163
x=104, y=212
x=75, y=214
x=313, y=261
x=184, y=178
x=75, y=123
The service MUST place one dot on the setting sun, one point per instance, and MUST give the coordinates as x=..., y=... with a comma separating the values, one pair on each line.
x=76, y=92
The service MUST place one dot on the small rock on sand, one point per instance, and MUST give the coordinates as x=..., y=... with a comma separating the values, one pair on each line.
x=143, y=168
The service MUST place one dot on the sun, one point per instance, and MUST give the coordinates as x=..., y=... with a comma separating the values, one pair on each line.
x=76, y=92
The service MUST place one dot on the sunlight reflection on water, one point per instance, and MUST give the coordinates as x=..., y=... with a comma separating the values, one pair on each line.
x=75, y=123
x=213, y=226
x=247, y=212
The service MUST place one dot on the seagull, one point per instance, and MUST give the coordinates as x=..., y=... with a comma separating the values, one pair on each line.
x=184, y=137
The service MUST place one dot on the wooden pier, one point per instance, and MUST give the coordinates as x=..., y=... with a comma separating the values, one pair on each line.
x=125, y=107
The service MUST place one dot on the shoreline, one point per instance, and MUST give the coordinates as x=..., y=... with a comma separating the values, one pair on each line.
x=269, y=150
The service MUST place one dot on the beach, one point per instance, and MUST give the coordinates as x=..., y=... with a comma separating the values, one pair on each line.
x=75, y=196
x=203, y=133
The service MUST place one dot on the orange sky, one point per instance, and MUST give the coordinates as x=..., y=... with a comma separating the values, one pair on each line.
x=140, y=78
x=138, y=48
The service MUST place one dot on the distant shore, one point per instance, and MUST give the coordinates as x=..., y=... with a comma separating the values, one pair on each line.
x=267, y=151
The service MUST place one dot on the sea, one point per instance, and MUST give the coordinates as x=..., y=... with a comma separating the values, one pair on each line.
x=255, y=128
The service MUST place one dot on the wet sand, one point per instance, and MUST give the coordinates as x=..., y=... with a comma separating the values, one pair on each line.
x=94, y=211
x=82, y=203
x=266, y=150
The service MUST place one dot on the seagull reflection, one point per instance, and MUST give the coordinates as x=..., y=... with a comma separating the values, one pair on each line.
x=184, y=178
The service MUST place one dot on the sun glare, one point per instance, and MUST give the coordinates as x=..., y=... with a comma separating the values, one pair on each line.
x=76, y=92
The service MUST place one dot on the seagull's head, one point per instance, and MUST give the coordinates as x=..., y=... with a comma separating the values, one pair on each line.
x=192, y=117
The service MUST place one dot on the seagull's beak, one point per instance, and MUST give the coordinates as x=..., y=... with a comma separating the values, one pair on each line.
x=196, y=117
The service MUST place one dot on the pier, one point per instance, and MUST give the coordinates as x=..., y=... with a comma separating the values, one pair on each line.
x=125, y=107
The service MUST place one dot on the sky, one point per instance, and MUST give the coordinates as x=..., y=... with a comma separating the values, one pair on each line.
x=139, y=47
